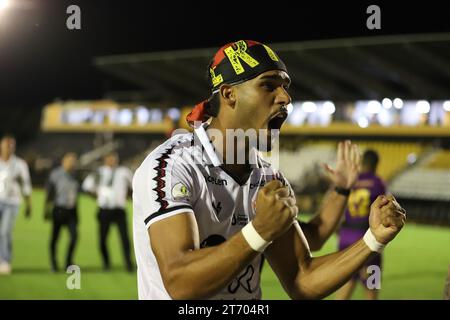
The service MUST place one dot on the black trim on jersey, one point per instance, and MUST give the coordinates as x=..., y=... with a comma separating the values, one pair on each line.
x=161, y=212
x=160, y=181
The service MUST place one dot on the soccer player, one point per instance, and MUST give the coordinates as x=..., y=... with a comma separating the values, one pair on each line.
x=110, y=185
x=202, y=218
x=14, y=182
x=356, y=221
x=61, y=206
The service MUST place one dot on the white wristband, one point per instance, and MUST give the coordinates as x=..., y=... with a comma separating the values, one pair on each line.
x=372, y=243
x=255, y=241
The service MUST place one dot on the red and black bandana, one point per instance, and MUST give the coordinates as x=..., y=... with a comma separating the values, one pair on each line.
x=235, y=63
x=240, y=61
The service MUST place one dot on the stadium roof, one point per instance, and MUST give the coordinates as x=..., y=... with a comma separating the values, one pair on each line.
x=405, y=66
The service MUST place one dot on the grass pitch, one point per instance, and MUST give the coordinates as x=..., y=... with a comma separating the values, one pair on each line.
x=415, y=264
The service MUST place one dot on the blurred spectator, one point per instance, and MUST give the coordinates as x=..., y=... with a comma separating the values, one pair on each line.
x=110, y=184
x=368, y=187
x=14, y=182
x=61, y=206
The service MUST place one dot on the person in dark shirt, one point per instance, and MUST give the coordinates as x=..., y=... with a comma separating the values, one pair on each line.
x=61, y=206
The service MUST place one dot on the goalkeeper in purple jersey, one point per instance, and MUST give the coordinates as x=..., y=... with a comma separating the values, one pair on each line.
x=356, y=221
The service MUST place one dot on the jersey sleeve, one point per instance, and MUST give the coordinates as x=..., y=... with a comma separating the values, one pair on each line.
x=25, y=177
x=163, y=187
x=88, y=184
x=128, y=177
x=50, y=185
x=382, y=189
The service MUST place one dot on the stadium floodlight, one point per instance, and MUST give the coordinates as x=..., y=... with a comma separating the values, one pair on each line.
x=423, y=106
x=385, y=118
x=446, y=105
x=142, y=115
x=363, y=122
x=289, y=108
x=125, y=117
x=309, y=107
x=387, y=103
x=398, y=103
x=374, y=107
x=174, y=113
x=4, y=4
x=328, y=107
x=411, y=158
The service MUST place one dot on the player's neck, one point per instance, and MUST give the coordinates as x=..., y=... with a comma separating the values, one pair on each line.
x=367, y=170
x=6, y=156
x=236, y=169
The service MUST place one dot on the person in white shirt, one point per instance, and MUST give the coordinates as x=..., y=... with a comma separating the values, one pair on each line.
x=201, y=220
x=15, y=182
x=110, y=184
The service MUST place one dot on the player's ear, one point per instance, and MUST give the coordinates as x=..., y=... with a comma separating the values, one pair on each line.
x=228, y=94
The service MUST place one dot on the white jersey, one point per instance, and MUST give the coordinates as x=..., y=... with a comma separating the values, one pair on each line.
x=177, y=177
x=111, y=186
x=14, y=180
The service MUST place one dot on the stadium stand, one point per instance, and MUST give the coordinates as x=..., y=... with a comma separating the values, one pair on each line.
x=297, y=164
x=416, y=173
x=428, y=180
x=424, y=189
x=45, y=151
x=394, y=156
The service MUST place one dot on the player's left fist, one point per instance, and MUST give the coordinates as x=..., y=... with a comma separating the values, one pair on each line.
x=386, y=218
x=348, y=165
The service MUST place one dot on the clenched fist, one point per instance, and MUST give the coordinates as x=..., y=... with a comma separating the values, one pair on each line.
x=386, y=218
x=275, y=210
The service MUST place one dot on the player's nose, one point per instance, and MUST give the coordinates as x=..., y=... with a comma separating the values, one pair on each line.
x=282, y=97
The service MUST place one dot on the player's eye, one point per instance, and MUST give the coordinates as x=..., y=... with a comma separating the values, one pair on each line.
x=269, y=86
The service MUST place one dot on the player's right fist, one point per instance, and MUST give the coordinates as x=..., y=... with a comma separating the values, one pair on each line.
x=275, y=210
x=386, y=218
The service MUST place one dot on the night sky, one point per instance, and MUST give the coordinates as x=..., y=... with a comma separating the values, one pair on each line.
x=40, y=59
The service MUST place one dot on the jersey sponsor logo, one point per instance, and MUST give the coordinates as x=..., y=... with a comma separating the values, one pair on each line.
x=216, y=181
x=217, y=207
x=180, y=192
x=242, y=281
x=257, y=184
x=212, y=240
x=240, y=219
x=276, y=176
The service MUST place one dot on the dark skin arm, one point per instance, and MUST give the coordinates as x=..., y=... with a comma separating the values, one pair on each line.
x=48, y=206
x=319, y=229
x=27, y=199
x=27, y=206
x=305, y=277
x=192, y=273
x=345, y=175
